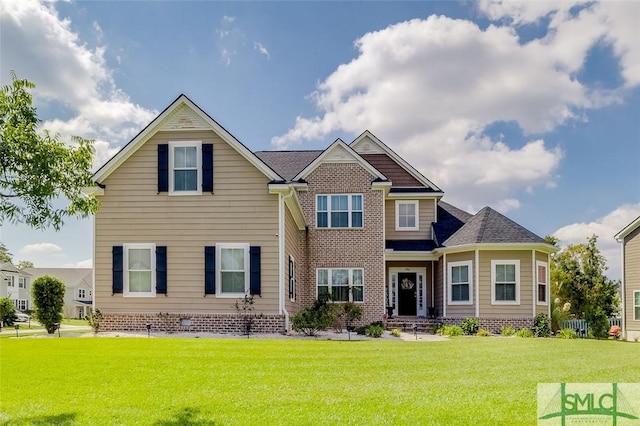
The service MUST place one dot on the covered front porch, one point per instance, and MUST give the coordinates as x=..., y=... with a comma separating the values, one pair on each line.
x=410, y=291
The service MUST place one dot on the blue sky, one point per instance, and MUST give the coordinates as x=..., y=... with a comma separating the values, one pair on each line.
x=531, y=107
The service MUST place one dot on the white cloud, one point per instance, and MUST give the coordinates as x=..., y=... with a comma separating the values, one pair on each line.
x=431, y=87
x=605, y=228
x=68, y=73
x=230, y=39
x=88, y=263
x=40, y=248
x=260, y=48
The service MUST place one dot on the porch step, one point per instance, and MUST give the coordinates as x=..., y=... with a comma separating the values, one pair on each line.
x=423, y=325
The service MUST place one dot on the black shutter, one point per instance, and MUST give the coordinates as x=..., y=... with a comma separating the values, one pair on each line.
x=161, y=269
x=210, y=270
x=207, y=167
x=291, y=277
x=254, y=274
x=163, y=167
x=116, y=286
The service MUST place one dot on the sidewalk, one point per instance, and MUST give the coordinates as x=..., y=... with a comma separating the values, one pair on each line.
x=24, y=329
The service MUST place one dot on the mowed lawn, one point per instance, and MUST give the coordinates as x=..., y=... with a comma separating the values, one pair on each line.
x=188, y=381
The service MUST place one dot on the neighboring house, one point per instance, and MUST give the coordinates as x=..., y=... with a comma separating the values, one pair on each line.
x=630, y=239
x=14, y=284
x=78, y=296
x=191, y=220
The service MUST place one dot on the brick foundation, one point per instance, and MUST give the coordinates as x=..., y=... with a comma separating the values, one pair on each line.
x=494, y=324
x=194, y=323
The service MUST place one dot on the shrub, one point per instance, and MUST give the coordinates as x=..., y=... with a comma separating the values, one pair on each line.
x=94, y=318
x=566, y=333
x=437, y=329
x=507, y=331
x=598, y=322
x=7, y=312
x=452, y=330
x=524, y=332
x=48, y=298
x=311, y=320
x=374, y=330
x=396, y=332
x=344, y=312
x=470, y=325
x=541, y=326
x=483, y=332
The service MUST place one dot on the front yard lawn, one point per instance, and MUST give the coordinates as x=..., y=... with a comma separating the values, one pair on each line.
x=181, y=381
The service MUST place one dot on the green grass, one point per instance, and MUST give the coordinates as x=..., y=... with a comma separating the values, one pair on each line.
x=164, y=381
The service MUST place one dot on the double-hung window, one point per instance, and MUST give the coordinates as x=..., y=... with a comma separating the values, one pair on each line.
x=22, y=282
x=407, y=215
x=460, y=288
x=292, y=279
x=505, y=279
x=81, y=293
x=340, y=284
x=11, y=281
x=139, y=273
x=541, y=279
x=636, y=305
x=185, y=163
x=339, y=211
x=233, y=271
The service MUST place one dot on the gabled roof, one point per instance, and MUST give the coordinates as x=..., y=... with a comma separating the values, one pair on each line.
x=71, y=277
x=288, y=163
x=339, y=152
x=362, y=145
x=490, y=227
x=182, y=114
x=628, y=229
x=9, y=267
x=450, y=219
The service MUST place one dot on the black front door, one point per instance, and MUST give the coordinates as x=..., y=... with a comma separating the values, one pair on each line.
x=407, y=292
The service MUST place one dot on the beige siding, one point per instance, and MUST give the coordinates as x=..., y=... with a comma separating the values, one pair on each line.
x=525, y=307
x=631, y=277
x=462, y=310
x=240, y=211
x=426, y=215
x=292, y=248
x=543, y=308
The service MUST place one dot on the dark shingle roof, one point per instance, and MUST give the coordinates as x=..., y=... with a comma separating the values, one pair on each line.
x=288, y=163
x=410, y=245
x=489, y=226
x=450, y=219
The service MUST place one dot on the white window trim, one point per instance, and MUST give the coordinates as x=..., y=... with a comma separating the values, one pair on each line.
x=82, y=293
x=125, y=269
x=493, y=282
x=546, y=295
x=416, y=203
x=450, y=266
x=293, y=278
x=634, y=305
x=350, y=283
x=350, y=211
x=219, y=248
x=198, y=145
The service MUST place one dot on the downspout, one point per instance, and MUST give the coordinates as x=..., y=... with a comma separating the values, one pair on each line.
x=476, y=273
x=281, y=250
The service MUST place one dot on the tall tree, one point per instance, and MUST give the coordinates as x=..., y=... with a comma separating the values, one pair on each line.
x=24, y=264
x=48, y=297
x=37, y=168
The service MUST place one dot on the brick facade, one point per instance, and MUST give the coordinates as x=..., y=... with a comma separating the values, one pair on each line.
x=494, y=324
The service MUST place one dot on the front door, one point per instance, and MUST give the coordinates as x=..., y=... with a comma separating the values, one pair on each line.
x=407, y=292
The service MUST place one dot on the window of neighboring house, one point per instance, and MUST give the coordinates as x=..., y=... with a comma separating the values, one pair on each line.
x=22, y=304
x=340, y=285
x=185, y=163
x=636, y=305
x=139, y=270
x=81, y=293
x=460, y=283
x=233, y=269
x=505, y=278
x=339, y=211
x=22, y=282
x=541, y=271
x=292, y=279
x=11, y=281
x=407, y=215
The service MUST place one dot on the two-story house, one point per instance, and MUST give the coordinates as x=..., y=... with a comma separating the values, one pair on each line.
x=191, y=220
x=78, y=282
x=14, y=284
x=629, y=237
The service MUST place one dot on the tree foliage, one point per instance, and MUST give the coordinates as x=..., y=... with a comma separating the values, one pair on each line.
x=577, y=277
x=24, y=264
x=36, y=168
x=7, y=312
x=5, y=256
x=48, y=298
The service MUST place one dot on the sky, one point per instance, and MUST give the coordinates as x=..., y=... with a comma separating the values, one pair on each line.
x=530, y=107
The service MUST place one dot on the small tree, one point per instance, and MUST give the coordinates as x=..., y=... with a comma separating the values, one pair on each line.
x=7, y=312
x=244, y=308
x=94, y=318
x=48, y=298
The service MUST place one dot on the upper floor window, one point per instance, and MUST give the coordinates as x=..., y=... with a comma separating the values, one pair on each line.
x=22, y=282
x=139, y=270
x=340, y=285
x=541, y=273
x=185, y=162
x=407, y=215
x=81, y=293
x=339, y=211
x=11, y=281
x=460, y=283
x=505, y=281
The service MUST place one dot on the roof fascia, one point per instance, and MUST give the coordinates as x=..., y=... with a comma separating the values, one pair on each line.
x=408, y=167
x=291, y=200
x=410, y=255
x=627, y=230
x=152, y=128
x=415, y=195
x=543, y=247
x=338, y=143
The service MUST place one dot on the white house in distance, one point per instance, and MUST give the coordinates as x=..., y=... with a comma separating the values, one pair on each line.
x=78, y=296
x=14, y=284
